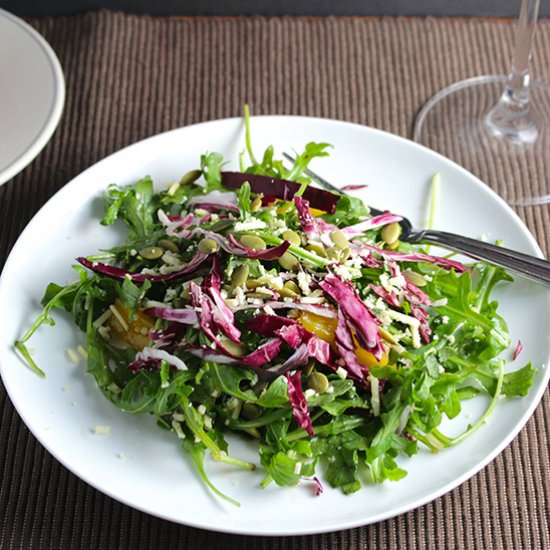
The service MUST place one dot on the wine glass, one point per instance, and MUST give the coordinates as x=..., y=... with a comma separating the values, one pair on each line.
x=498, y=127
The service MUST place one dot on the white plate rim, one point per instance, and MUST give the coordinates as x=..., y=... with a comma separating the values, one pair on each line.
x=46, y=131
x=227, y=528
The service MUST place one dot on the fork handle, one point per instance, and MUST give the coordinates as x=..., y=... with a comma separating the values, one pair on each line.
x=533, y=268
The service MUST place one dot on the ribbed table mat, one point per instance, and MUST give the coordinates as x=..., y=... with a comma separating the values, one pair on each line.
x=129, y=77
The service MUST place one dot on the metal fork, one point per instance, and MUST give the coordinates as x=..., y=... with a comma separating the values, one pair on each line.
x=533, y=268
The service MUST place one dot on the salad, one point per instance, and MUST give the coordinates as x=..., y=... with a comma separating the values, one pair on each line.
x=256, y=304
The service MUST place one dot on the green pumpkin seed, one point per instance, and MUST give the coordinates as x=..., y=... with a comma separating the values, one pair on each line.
x=190, y=177
x=309, y=368
x=333, y=253
x=390, y=233
x=185, y=294
x=393, y=246
x=291, y=285
x=292, y=237
x=253, y=241
x=288, y=261
x=234, y=348
x=256, y=204
x=208, y=246
x=319, y=249
x=222, y=225
x=318, y=381
x=287, y=293
x=151, y=252
x=239, y=276
x=169, y=245
x=339, y=239
x=250, y=411
x=345, y=253
x=415, y=278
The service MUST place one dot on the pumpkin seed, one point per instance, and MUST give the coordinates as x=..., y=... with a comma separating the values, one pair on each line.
x=169, y=245
x=256, y=204
x=291, y=285
x=151, y=252
x=222, y=225
x=393, y=246
x=345, y=253
x=287, y=293
x=208, y=246
x=292, y=237
x=288, y=261
x=415, y=278
x=390, y=233
x=250, y=411
x=319, y=249
x=190, y=177
x=233, y=347
x=253, y=241
x=309, y=368
x=240, y=276
x=339, y=239
x=333, y=253
x=318, y=381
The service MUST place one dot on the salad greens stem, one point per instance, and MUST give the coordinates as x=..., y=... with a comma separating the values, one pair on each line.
x=483, y=418
x=248, y=141
x=298, y=251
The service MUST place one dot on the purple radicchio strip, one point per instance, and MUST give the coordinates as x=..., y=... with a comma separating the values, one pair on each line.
x=216, y=200
x=372, y=223
x=294, y=334
x=346, y=348
x=422, y=315
x=233, y=246
x=223, y=316
x=517, y=350
x=255, y=360
x=414, y=257
x=185, y=316
x=152, y=357
x=298, y=402
x=389, y=297
x=352, y=187
x=306, y=219
x=120, y=273
x=174, y=225
x=356, y=313
x=281, y=189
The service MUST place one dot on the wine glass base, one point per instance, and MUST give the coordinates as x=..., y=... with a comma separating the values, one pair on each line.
x=462, y=122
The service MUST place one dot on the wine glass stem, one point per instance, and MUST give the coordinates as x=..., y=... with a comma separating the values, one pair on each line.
x=511, y=116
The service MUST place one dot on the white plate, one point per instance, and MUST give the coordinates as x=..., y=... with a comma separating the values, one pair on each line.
x=32, y=93
x=153, y=475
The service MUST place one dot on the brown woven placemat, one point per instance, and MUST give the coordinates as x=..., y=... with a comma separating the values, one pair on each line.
x=129, y=77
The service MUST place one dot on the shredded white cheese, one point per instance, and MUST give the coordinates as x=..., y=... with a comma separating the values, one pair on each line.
x=102, y=430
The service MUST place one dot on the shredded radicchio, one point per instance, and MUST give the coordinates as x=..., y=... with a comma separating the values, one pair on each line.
x=517, y=350
x=306, y=219
x=152, y=358
x=372, y=223
x=222, y=315
x=298, y=402
x=185, y=316
x=120, y=273
x=215, y=201
x=355, y=312
x=411, y=257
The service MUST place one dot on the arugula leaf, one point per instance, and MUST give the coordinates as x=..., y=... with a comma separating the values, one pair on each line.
x=349, y=210
x=211, y=165
x=243, y=196
x=131, y=294
x=311, y=151
x=135, y=204
x=518, y=382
